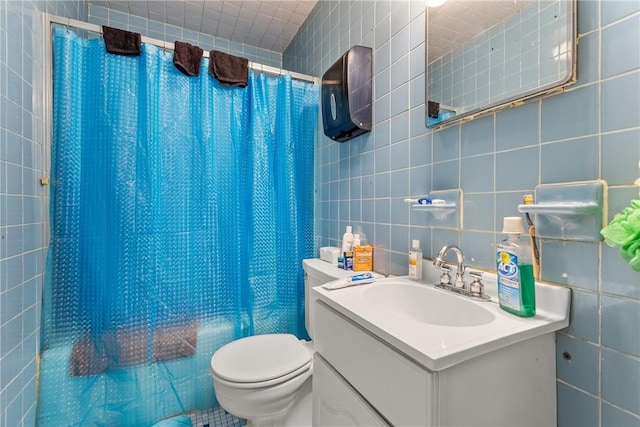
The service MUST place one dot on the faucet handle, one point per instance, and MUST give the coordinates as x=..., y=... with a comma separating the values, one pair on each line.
x=445, y=278
x=476, y=287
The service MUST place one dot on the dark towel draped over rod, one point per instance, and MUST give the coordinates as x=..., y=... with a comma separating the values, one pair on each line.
x=74, y=23
x=228, y=69
x=187, y=58
x=122, y=42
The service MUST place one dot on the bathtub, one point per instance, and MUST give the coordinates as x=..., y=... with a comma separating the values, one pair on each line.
x=135, y=396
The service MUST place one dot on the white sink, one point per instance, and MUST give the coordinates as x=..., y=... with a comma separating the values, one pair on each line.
x=426, y=304
x=438, y=329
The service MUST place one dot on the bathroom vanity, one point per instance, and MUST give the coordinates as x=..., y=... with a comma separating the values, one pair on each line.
x=402, y=353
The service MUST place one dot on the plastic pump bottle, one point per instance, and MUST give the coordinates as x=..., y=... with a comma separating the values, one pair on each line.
x=415, y=261
x=347, y=240
x=516, y=286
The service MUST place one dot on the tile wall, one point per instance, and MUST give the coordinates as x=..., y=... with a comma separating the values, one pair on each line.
x=590, y=132
x=170, y=33
x=22, y=200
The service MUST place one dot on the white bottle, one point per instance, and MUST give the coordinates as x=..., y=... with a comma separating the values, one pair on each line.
x=415, y=261
x=347, y=240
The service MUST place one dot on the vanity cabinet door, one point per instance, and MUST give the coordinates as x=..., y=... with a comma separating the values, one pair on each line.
x=398, y=388
x=336, y=403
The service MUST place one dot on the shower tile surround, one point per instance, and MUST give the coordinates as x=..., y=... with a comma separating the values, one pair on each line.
x=589, y=132
x=23, y=202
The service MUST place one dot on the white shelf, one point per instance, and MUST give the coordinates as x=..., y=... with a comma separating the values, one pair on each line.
x=569, y=211
x=568, y=208
x=448, y=207
x=444, y=215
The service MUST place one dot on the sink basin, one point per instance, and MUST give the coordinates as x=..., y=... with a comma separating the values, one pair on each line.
x=428, y=305
x=439, y=329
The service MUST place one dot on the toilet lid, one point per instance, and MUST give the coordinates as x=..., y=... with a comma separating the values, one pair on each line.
x=259, y=358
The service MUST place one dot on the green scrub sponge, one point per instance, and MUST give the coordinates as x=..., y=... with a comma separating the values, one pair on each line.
x=624, y=231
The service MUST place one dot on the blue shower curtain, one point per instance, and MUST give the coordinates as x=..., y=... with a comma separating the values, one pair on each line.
x=177, y=206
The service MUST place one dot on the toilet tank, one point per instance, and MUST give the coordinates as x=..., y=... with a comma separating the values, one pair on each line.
x=317, y=272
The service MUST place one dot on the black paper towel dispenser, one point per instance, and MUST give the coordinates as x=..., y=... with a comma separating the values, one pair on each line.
x=346, y=95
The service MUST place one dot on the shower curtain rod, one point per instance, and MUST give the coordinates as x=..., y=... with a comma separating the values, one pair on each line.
x=53, y=19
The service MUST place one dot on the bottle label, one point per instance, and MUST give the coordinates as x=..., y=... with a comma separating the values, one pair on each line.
x=508, y=279
x=363, y=258
x=413, y=265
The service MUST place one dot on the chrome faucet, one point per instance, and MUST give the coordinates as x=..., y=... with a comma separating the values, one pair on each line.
x=476, y=288
x=439, y=263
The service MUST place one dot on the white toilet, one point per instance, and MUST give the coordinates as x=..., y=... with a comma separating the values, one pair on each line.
x=266, y=379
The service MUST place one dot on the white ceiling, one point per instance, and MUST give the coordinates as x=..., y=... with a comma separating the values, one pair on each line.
x=268, y=25
x=272, y=25
x=456, y=22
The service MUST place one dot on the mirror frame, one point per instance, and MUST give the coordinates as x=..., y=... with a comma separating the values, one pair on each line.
x=516, y=100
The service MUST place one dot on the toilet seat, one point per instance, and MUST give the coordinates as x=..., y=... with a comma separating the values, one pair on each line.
x=260, y=361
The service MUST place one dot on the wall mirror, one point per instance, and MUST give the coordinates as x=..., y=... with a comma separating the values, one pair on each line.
x=484, y=54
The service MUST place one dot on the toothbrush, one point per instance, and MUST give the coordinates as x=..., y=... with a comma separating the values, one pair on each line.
x=535, y=253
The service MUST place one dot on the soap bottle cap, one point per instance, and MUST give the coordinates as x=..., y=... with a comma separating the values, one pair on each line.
x=512, y=225
x=415, y=244
x=348, y=229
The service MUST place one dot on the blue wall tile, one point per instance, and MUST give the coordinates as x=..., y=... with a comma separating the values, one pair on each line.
x=420, y=150
x=473, y=182
x=518, y=127
x=577, y=363
x=506, y=205
x=400, y=211
x=420, y=180
x=441, y=238
x=570, y=263
x=620, y=154
x=446, y=144
x=584, y=321
x=382, y=210
x=517, y=169
x=621, y=47
x=620, y=320
x=400, y=183
x=400, y=125
x=612, y=10
x=479, y=212
x=477, y=137
x=573, y=160
x=618, y=277
x=621, y=380
x=588, y=15
x=617, y=107
x=578, y=409
x=571, y=115
x=368, y=211
x=589, y=58
x=612, y=416
x=479, y=249
x=399, y=237
x=446, y=175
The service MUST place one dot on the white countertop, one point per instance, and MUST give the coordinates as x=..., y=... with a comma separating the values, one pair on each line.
x=437, y=347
